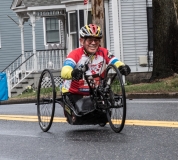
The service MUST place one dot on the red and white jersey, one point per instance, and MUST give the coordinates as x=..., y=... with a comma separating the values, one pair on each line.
x=96, y=66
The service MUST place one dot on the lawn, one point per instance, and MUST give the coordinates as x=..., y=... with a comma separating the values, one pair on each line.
x=159, y=86
x=162, y=86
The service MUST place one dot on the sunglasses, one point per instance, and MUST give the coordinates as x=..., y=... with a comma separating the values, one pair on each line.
x=90, y=40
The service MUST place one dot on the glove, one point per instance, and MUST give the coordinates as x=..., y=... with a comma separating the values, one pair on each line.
x=76, y=74
x=125, y=70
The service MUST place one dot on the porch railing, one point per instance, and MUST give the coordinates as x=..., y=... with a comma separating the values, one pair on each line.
x=52, y=59
x=24, y=65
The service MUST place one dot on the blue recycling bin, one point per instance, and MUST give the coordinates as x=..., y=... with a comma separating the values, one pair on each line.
x=3, y=87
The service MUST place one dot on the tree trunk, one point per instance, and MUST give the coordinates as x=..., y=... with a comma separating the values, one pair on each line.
x=165, y=38
x=98, y=16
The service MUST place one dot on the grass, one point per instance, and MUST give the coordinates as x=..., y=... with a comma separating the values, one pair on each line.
x=159, y=86
x=30, y=93
x=162, y=86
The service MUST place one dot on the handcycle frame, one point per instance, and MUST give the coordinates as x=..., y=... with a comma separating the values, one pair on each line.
x=105, y=103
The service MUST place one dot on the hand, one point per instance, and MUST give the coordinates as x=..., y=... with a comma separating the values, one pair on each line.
x=76, y=74
x=125, y=70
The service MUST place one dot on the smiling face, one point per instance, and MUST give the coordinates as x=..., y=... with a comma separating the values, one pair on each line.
x=90, y=44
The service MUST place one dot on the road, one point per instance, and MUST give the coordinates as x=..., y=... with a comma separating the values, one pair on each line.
x=150, y=133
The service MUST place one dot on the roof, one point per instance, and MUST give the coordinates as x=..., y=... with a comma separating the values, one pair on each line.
x=32, y=3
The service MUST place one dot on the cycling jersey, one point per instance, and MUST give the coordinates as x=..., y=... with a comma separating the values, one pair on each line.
x=96, y=67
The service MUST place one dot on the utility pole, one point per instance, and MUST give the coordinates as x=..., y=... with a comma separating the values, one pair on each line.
x=98, y=16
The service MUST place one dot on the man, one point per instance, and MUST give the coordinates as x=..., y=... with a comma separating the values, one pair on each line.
x=96, y=57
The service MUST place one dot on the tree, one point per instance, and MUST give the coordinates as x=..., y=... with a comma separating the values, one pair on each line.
x=165, y=38
x=98, y=16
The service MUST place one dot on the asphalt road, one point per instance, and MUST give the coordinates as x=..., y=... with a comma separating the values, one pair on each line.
x=150, y=133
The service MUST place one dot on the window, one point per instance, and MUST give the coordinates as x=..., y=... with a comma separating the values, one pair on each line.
x=73, y=26
x=85, y=18
x=89, y=17
x=52, y=30
x=73, y=30
x=150, y=28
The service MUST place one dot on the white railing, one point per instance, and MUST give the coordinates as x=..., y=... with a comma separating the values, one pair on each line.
x=19, y=73
x=24, y=65
x=51, y=59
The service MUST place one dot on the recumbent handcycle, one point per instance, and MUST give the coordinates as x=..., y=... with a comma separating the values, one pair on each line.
x=106, y=103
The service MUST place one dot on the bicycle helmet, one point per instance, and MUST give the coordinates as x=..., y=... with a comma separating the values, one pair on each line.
x=91, y=30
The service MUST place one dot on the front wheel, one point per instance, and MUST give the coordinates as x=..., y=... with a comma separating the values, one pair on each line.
x=116, y=112
x=46, y=100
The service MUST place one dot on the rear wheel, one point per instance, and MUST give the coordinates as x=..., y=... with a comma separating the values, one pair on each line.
x=102, y=124
x=116, y=113
x=46, y=100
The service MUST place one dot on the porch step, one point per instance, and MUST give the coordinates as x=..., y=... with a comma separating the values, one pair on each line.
x=18, y=87
x=29, y=78
x=13, y=92
x=22, y=86
x=24, y=82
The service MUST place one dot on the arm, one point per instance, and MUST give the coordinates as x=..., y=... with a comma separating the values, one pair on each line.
x=67, y=69
x=66, y=72
x=123, y=68
x=111, y=59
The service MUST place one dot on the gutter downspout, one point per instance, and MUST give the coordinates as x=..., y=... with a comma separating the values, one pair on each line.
x=107, y=39
x=120, y=27
x=120, y=30
x=115, y=25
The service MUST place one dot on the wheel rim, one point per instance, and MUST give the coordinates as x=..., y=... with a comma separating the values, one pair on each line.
x=46, y=100
x=117, y=100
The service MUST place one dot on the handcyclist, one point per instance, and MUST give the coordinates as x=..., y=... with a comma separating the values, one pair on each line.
x=74, y=84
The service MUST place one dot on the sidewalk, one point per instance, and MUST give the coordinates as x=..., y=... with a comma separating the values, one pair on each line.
x=129, y=96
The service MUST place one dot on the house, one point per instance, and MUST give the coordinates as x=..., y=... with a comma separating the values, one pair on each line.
x=10, y=35
x=55, y=25
x=128, y=31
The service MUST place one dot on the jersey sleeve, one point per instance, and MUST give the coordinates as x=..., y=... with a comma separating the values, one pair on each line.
x=111, y=59
x=69, y=65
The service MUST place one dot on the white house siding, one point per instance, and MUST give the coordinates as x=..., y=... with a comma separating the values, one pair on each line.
x=134, y=26
x=134, y=32
x=11, y=38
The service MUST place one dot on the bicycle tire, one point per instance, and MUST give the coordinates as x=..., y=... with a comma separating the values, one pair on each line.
x=46, y=100
x=116, y=113
x=102, y=124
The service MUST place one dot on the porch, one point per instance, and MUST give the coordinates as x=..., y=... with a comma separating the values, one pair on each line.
x=25, y=70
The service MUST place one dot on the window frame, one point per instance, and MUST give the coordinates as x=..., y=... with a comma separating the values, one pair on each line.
x=73, y=32
x=45, y=32
x=85, y=15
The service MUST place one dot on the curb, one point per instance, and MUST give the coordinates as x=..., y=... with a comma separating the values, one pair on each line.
x=128, y=96
x=151, y=95
x=17, y=101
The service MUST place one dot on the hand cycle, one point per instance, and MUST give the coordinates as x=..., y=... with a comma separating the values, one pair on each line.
x=106, y=103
